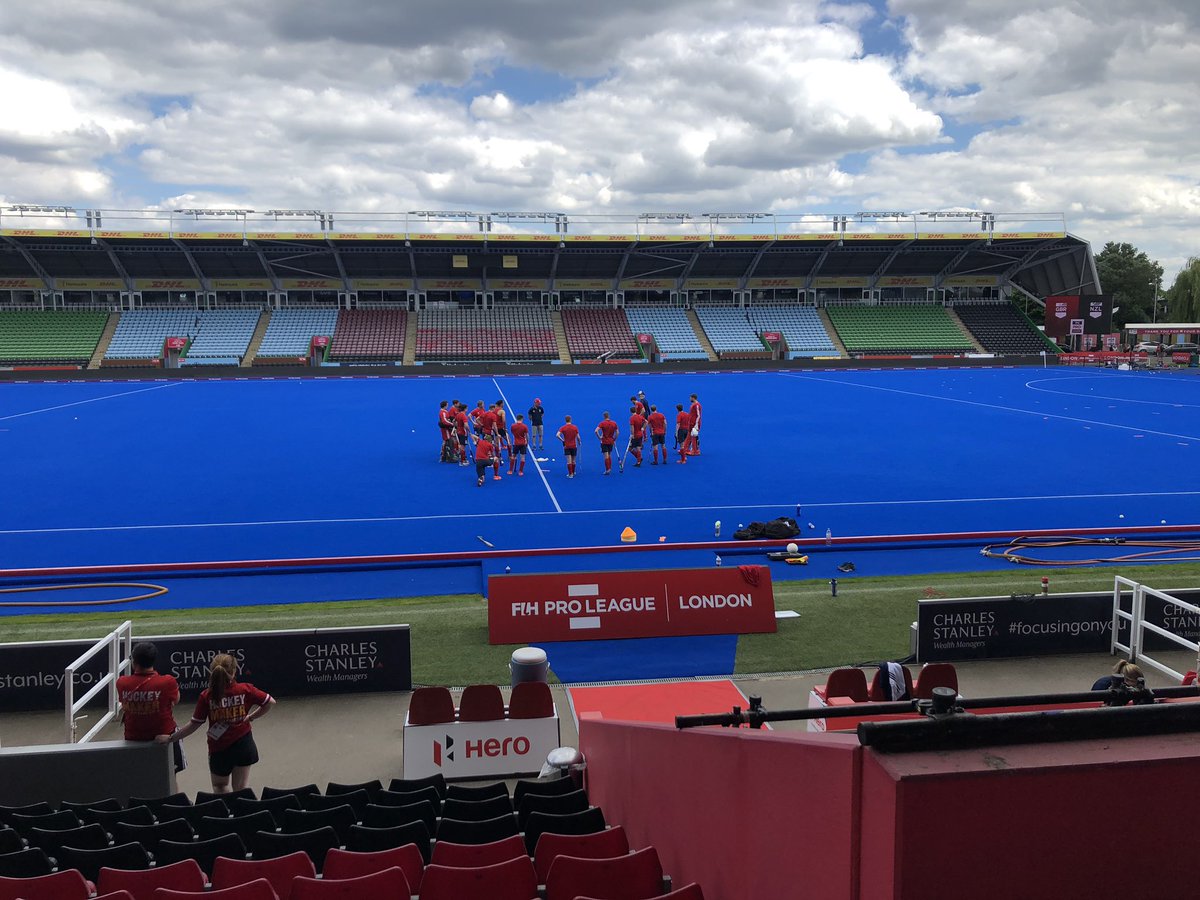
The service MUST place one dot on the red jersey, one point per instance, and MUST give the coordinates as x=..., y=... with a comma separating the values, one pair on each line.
x=460, y=422
x=487, y=422
x=227, y=717
x=570, y=436
x=520, y=433
x=148, y=700
x=694, y=414
x=445, y=420
x=501, y=420
x=608, y=431
x=658, y=423
x=637, y=425
x=483, y=449
x=476, y=413
x=683, y=420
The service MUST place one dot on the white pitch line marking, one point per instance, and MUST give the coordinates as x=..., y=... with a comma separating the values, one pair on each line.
x=34, y=412
x=536, y=464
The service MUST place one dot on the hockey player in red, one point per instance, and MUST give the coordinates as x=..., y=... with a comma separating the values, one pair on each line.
x=449, y=451
x=691, y=446
x=658, y=435
x=520, y=444
x=461, y=426
x=475, y=414
x=607, y=431
x=569, y=435
x=681, y=432
x=637, y=433
x=484, y=457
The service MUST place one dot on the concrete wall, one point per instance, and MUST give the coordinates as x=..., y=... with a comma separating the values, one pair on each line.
x=80, y=772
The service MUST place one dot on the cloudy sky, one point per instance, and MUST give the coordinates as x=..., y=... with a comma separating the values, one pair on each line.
x=1088, y=108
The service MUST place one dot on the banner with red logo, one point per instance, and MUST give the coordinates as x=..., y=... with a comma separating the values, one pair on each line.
x=577, y=606
x=501, y=748
x=1059, y=313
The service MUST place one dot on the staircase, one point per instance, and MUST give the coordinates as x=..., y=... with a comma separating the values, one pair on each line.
x=106, y=337
x=701, y=336
x=560, y=337
x=963, y=328
x=410, y=340
x=260, y=331
x=832, y=332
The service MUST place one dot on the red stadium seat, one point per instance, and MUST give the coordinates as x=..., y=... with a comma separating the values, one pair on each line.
x=459, y=856
x=876, y=692
x=279, y=872
x=634, y=876
x=251, y=890
x=935, y=675
x=430, y=706
x=348, y=864
x=531, y=700
x=687, y=892
x=481, y=703
x=600, y=845
x=850, y=683
x=510, y=880
x=65, y=885
x=185, y=875
x=386, y=883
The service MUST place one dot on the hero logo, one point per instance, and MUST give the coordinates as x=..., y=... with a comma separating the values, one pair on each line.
x=489, y=747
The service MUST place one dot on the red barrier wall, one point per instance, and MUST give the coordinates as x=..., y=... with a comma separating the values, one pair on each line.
x=1083, y=819
x=745, y=813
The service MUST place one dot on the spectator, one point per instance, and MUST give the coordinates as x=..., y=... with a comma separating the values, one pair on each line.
x=148, y=700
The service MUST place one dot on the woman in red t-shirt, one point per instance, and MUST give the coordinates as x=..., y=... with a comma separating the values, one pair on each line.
x=228, y=706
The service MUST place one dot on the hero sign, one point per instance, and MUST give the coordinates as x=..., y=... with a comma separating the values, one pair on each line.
x=654, y=603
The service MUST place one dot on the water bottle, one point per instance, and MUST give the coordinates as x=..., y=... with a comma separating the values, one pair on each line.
x=828, y=536
x=718, y=561
x=717, y=528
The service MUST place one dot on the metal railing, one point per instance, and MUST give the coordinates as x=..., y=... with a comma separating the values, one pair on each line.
x=118, y=645
x=1138, y=626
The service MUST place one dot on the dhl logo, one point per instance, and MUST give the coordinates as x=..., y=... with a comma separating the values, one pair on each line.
x=9, y=283
x=1047, y=234
x=451, y=285
x=389, y=237
x=313, y=283
x=1008, y=234
x=901, y=281
x=584, y=237
x=518, y=285
x=24, y=232
x=228, y=235
x=155, y=234
x=505, y=237
x=163, y=285
x=774, y=282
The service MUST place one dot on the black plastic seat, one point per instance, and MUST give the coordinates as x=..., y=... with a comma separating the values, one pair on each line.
x=28, y=863
x=242, y=826
x=405, y=798
x=376, y=816
x=107, y=805
x=589, y=821
x=371, y=787
x=133, y=815
x=90, y=862
x=576, y=801
x=269, y=793
x=227, y=797
x=316, y=843
x=150, y=836
x=476, y=792
x=157, y=803
x=11, y=841
x=31, y=809
x=364, y=839
x=356, y=800
x=193, y=814
x=203, y=852
x=408, y=785
x=275, y=806
x=457, y=831
x=476, y=810
x=542, y=787
x=85, y=837
x=339, y=818
x=55, y=820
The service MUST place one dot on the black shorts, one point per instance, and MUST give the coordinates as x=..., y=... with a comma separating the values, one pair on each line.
x=659, y=439
x=635, y=442
x=520, y=448
x=681, y=435
x=605, y=448
x=242, y=752
x=570, y=451
x=482, y=465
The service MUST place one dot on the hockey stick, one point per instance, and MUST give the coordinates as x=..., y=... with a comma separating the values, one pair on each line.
x=621, y=467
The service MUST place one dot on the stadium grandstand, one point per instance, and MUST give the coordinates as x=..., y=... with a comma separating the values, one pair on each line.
x=454, y=288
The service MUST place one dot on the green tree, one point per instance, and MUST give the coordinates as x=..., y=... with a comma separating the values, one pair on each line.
x=1133, y=278
x=1183, y=298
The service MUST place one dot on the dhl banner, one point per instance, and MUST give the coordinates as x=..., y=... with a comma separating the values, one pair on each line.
x=906, y=281
x=446, y=236
x=525, y=238
x=22, y=284
x=89, y=284
x=450, y=284
x=842, y=282
x=368, y=236
x=700, y=284
x=1028, y=235
x=672, y=238
x=776, y=282
x=138, y=235
x=971, y=281
x=760, y=238
x=286, y=236
x=312, y=284
x=517, y=284
x=166, y=284
x=42, y=232
x=599, y=238
x=241, y=284
x=208, y=235
x=648, y=284
x=876, y=236
x=953, y=236
x=582, y=284
x=383, y=284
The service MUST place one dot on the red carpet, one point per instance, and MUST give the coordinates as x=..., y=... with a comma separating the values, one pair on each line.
x=655, y=702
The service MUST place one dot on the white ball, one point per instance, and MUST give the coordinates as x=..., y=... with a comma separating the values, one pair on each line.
x=1121, y=516
x=1162, y=521
x=793, y=548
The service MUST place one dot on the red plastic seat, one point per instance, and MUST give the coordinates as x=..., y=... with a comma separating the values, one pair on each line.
x=876, y=690
x=279, y=871
x=350, y=864
x=252, y=890
x=510, y=880
x=850, y=683
x=65, y=885
x=687, y=892
x=430, y=706
x=386, y=883
x=935, y=675
x=460, y=856
x=481, y=703
x=116, y=895
x=600, y=845
x=531, y=700
x=185, y=875
x=633, y=876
